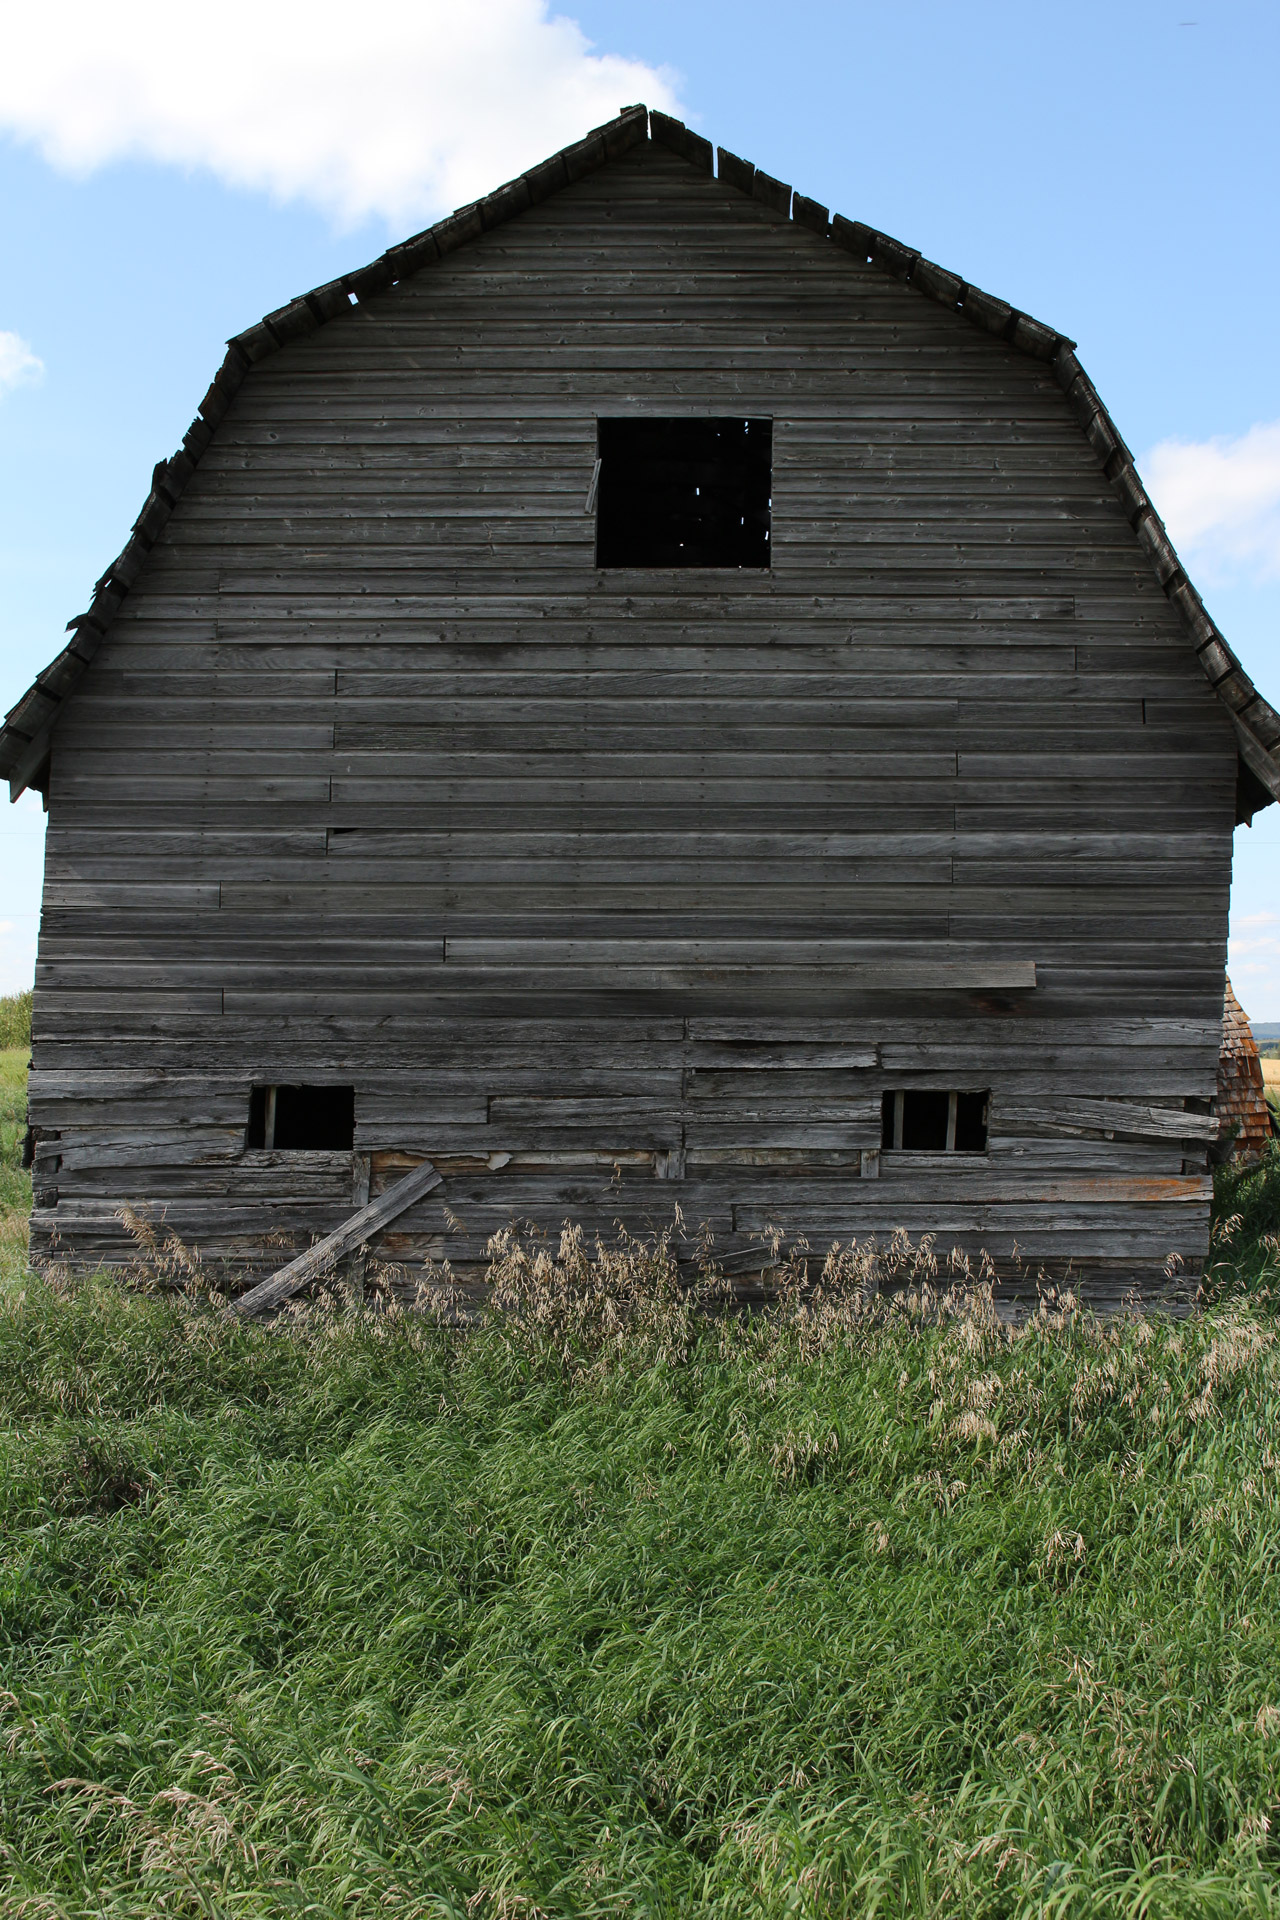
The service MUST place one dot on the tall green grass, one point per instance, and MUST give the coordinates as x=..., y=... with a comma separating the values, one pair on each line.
x=616, y=1607
x=1245, y=1251
x=15, y=1185
x=15, y=1019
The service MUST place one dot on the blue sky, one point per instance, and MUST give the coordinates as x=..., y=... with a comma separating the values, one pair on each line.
x=1109, y=168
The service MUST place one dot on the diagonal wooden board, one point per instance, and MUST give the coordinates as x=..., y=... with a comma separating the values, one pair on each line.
x=352, y=1233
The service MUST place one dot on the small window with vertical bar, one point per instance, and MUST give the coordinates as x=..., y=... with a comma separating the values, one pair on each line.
x=924, y=1121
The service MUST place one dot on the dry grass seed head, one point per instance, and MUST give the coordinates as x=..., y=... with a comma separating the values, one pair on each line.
x=1063, y=1548
x=1235, y=1347
x=972, y=1427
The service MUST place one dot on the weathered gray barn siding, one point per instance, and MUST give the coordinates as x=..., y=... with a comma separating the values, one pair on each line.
x=378, y=779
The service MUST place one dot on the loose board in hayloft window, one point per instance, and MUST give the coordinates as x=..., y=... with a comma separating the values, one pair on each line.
x=648, y=702
x=684, y=493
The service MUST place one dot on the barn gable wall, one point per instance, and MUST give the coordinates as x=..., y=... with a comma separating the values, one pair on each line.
x=622, y=875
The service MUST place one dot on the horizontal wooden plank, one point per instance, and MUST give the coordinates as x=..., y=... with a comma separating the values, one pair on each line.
x=1110, y=1117
x=980, y=1183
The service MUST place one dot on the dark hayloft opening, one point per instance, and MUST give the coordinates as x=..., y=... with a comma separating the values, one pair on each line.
x=684, y=493
x=314, y=1119
x=917, y=1121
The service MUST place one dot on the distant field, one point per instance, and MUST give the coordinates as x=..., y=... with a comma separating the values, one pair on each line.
x=15, y=1185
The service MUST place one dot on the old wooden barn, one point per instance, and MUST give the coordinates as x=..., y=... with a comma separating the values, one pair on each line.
x=646, y=693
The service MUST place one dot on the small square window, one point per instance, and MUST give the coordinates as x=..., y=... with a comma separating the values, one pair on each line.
x=684, y=493
x=916, y=1121
x=305, y=1119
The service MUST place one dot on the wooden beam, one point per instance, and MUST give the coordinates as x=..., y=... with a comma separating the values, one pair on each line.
x=1074, y=1116
x=327, y=1252
x=33, y=756
x=1255, y=756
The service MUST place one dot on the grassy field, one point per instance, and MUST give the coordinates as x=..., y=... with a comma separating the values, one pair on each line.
x=614, y=1608
x=1271, y=1081
x=15, y=1186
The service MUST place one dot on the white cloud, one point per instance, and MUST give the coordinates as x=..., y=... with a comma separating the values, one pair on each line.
x=19, y=367
x=398, y=108
x=1220, y=500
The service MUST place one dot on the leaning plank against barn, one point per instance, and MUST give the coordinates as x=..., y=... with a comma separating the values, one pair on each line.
x=611, y=889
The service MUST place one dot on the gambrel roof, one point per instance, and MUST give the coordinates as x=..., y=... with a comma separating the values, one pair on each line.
x=25, y=736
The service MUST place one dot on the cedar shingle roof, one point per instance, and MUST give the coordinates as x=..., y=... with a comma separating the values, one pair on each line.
x=24, y=738
x=1244, y=1119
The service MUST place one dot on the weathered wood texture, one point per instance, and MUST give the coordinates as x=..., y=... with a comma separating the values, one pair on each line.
x=363, y=1225
x=378, y=779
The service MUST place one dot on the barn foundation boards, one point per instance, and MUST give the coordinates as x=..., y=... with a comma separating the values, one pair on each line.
x=647, y=694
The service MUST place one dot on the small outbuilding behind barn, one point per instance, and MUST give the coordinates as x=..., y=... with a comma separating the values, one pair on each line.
x=647, y=693
x=1242, y=1113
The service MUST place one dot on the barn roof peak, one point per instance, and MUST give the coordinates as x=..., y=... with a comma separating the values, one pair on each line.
x=25, y=735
